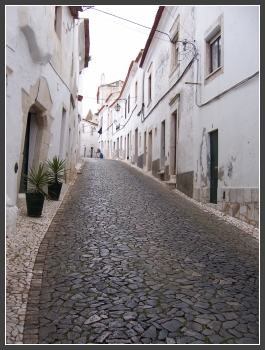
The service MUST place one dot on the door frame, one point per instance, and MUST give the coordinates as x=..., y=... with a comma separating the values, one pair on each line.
x=213, y=166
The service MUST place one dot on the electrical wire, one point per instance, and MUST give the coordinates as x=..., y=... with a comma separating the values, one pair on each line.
x=138, y=31
x=180, y=24
x=183, y=73
x=102, y=99
x=124, y=26
x=92, y=8
x=122, y=126
x=124, y=19
x=231, y=88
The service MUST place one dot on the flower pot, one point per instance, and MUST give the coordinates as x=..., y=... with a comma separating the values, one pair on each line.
x=34, y=204
x=54, y=190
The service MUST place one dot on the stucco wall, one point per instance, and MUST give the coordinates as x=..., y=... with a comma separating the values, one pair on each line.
x=182, y=94
x=38, y=75
x=235, y=114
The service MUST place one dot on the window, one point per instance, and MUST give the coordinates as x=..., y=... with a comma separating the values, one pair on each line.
x=150, y=88
x=83, y=128
x=214, y=53
x=175, y=53
x=135, y=92
x=174, y=36
x=58, y=21
x=55, y=17
x=149, y=85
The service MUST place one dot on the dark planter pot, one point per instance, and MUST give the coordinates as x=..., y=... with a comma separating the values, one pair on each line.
x=34, y=204
x=54, y=191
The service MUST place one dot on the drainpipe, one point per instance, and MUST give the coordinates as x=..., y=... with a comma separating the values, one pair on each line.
x=142, y=98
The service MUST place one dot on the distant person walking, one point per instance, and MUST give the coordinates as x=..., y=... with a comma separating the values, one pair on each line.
x=98, y=153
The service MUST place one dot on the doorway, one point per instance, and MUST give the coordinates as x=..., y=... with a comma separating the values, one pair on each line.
x=136, y=147
x=173, y=144
x=118, y=147
x=162, y=149
x=149, y=164
x=144, y=149
x=214, y=166
x=25, y=162
x=128, y=146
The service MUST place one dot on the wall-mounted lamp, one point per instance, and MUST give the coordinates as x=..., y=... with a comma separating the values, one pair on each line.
x=117, y=107
x=117, y=124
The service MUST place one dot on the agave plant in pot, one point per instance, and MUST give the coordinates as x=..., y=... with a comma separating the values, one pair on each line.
x=57, y=174
x=37, y=179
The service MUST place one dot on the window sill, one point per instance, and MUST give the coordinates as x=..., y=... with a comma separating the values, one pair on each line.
x=214, y=72
x=149, y=103
x=213, y=75
x=174, y=70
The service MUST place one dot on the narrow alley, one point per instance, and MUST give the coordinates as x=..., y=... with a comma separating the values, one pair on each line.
x=127, y=261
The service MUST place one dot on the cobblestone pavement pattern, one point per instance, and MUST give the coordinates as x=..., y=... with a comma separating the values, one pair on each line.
x=126, y=261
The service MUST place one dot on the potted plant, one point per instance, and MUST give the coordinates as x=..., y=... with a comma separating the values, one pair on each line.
x=35, y=195
x=57, y=174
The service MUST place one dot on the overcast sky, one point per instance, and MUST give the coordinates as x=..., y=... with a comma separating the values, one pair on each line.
x=114, y=43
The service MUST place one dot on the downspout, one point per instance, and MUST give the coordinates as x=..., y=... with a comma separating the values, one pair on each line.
x=142, y=98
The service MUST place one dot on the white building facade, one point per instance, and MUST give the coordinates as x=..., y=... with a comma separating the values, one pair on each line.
x=107, y=93
x=189, y=106
x=88, y=134
x=47, y=47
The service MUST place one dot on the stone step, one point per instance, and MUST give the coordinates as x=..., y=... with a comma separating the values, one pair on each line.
x=173, y=178
x=170, y=184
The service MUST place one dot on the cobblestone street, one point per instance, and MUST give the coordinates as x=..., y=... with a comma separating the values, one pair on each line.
x=127, y=261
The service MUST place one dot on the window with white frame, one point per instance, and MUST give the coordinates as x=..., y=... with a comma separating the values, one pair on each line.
x=174, y=53
x=214, y=53
x=150, y=88
x=174, y=36
x=149, y=84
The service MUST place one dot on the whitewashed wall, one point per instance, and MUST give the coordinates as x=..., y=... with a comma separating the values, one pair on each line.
x=37, y=69
x=88, y=139
x=235, y=114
